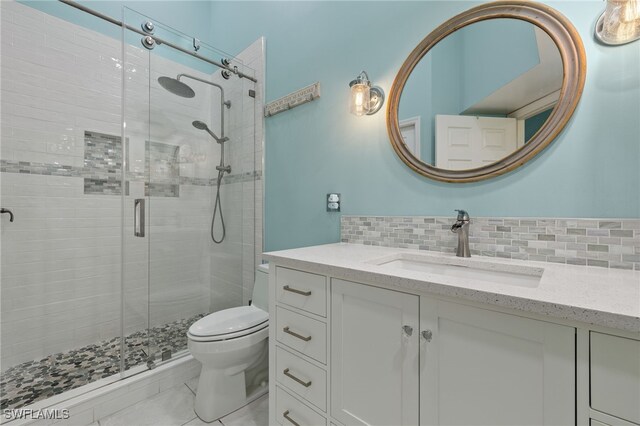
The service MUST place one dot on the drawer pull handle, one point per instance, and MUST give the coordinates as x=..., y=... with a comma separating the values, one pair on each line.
x=294, y=378
x=286, y=416
x=296, y=291
x=294, y=334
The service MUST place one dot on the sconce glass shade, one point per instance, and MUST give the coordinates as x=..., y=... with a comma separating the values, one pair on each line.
x=620, y=22
x=360, y=99
x=365, y=100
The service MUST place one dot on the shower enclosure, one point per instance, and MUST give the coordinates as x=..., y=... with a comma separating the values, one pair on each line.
x=113, y=181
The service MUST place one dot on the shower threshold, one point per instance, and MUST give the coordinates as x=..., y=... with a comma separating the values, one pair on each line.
x=34, y=381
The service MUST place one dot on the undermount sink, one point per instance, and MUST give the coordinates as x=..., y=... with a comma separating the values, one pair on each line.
x=496, y=273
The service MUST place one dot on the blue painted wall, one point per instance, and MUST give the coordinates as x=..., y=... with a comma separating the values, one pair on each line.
x=533, y=124
x=493, y=54
x=416, y=101
x=591, y=170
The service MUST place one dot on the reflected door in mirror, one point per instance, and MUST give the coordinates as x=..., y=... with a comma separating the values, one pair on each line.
x=496, y=69
x=467, y=142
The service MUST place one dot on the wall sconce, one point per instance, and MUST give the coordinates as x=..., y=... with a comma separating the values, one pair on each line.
x=619, y=23
x=365, y=99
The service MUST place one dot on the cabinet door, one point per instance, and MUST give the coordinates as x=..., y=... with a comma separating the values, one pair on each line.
x=487, y=368
x=374, y=357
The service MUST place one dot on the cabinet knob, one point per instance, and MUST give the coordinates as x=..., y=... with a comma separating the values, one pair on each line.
x=427, y=335
x=408, y=330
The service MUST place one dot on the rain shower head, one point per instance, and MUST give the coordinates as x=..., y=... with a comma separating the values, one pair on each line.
x=176, y=87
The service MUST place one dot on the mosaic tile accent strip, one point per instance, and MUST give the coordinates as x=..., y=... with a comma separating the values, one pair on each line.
x=109, y=186
x=33, y=381
x=608, y=243
x=241, y=177
x=102, y=152
x=162, y=168
x=9, y=166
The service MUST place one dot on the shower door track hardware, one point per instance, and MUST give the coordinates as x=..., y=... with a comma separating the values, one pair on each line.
x=158, y=40
x=292, y=100
x=148, y=27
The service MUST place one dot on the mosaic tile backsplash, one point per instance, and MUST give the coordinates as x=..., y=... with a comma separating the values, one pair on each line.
x=608, y=243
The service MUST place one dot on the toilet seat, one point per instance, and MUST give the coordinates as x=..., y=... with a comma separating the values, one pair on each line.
x=229, y=324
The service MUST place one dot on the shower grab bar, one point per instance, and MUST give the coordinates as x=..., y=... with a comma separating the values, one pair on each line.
x=138, y=217
x=97, y=14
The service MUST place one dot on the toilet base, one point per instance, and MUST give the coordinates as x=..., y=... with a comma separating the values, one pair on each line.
x=219, y=394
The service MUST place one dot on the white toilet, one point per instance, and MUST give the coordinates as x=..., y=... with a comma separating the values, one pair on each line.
x=227, y=343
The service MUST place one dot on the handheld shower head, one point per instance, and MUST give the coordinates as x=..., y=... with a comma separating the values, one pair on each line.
x=175, y=86
x=200, y=125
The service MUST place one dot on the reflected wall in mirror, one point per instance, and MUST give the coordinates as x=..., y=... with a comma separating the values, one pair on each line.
x=480, y=94
x=486, y=91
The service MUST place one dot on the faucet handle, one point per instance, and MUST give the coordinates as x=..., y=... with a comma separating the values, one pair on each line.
x=462, y=215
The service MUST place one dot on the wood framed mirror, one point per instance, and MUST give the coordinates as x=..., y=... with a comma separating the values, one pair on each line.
x=486, y=91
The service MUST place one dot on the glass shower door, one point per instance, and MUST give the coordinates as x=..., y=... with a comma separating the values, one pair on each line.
x=180, y=115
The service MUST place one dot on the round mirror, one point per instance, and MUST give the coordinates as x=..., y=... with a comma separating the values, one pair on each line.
x=486, y=91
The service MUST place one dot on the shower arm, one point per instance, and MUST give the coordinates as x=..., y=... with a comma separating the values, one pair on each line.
x=222, y=101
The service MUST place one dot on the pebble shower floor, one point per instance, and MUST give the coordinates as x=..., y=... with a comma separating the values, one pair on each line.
x=32, y=381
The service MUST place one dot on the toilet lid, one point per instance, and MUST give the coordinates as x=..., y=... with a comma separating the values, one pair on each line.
x=228, y=321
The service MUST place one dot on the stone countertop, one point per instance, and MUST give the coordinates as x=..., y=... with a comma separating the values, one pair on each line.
x=599, y=296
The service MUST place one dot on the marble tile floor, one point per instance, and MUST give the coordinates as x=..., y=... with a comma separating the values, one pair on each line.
x=174, y=407
x=32, y=381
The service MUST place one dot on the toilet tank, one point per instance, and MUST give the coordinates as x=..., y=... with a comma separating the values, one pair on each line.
x=260, y=298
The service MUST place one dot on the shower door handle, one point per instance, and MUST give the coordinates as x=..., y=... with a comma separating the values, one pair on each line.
x=138, y=217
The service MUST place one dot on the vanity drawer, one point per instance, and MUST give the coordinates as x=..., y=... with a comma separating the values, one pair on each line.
x=301, y=333
x=302, y=290
x=615, y=376
x=291, y=370
x=290, y=411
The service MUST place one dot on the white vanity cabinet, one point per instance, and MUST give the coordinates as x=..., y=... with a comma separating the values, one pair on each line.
x=374, y=355
x=480, y=367
x=358, y=353
x=615, y=376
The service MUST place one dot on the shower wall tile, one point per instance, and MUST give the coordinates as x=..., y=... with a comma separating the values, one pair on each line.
x=61, y=260
x=102, y=152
